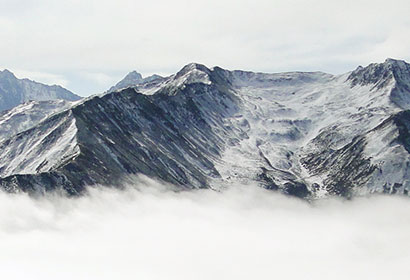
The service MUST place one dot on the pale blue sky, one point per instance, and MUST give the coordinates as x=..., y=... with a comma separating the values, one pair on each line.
x=88, y=45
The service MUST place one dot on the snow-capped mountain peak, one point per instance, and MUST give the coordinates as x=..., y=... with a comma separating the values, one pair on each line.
x=391, y=77
x=308, y=134
x=191, y=68
x=380, y=75
x=192, y=73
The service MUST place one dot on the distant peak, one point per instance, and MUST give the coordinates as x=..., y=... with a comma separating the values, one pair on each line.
x=134, y=78
x=7, y=73
x=134, y=75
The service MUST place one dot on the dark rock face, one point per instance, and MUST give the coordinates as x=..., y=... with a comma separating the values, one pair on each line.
x=346, y=168
x=165, y=137
x=181, y=133
x=377, y=75
x=38, y=184
x=402, y=121
x=350, y=169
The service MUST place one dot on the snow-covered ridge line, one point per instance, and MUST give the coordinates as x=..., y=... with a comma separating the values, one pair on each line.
x=29, y=114
x=308, y=134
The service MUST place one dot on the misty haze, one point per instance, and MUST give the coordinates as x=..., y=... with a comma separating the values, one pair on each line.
x=214, y=139
x=151, y=232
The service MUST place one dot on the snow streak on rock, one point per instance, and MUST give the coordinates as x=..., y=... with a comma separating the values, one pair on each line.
x=304, y=134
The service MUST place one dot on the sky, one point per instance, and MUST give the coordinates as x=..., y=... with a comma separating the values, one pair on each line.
x=89, y=45
x=149, y=232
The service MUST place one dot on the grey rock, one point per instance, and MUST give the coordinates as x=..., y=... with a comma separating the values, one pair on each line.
x=14, y=91
x=181, y=132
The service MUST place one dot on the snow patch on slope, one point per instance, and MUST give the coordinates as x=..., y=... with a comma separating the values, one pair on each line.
x=41, y=148
x=27, y=115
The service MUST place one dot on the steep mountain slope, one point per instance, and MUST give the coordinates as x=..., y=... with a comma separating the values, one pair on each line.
x=341, y=158
x=103, y=138
x=27, y=115
x=376, y=161
x=304, y=134
x=15, y=91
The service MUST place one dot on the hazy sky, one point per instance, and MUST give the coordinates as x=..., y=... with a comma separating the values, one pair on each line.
x=88, y=45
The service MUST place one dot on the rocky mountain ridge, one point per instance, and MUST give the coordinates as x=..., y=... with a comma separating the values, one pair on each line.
x=304, y=134
x=14, y=91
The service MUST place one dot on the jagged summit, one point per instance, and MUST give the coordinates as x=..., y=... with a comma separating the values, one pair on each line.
x=193, y=73
x=308, y=134
x=134, y=78
x=379, y=75
x=134, y=75
x=391, y=77
x=396, y=62
x=192, y=67
x=190, y=73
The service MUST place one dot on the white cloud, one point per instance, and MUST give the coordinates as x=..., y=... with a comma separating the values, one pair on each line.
x=243, y=233
x=161, y=36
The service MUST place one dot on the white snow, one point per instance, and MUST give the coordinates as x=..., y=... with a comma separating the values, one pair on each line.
x=279, y=116
x=40, y=150
x=282, y=113
x=29, y=114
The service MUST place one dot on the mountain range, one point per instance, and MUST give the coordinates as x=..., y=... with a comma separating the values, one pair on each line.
x=14, y=91
x=307, y=134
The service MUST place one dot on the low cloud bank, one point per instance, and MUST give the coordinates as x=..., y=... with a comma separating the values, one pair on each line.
x=150, y=232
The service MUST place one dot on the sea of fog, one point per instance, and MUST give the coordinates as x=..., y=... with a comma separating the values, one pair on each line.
x=148, y=231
